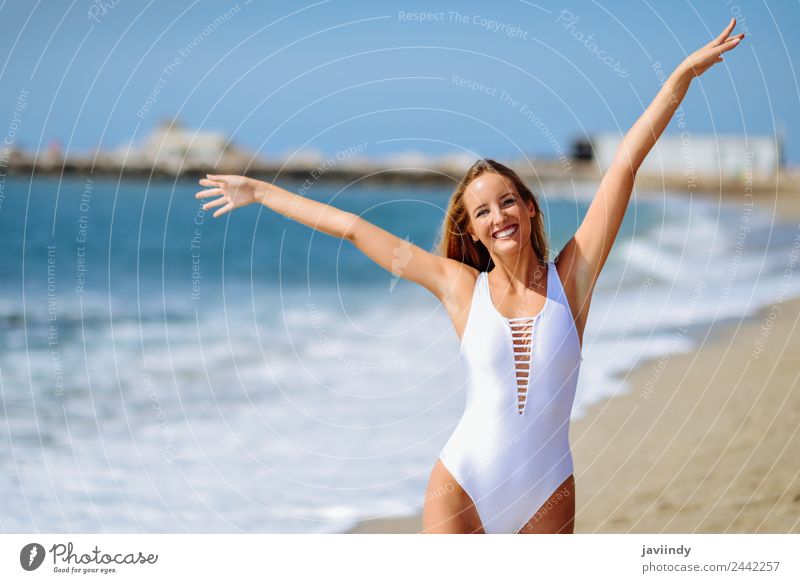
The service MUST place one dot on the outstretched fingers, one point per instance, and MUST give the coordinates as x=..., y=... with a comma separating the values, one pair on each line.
x=215, y=203
x=729, y=44
x=724, y=34
x=219, y=183
x=208, y=192
x=223, y=210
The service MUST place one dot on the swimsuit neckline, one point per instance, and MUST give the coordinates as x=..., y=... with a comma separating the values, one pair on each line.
x=508, y=321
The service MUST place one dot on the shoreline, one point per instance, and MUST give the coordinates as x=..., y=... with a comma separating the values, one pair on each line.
x=714, y=444
x=444, y=172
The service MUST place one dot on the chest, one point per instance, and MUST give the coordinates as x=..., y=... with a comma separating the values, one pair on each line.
x=490, y=342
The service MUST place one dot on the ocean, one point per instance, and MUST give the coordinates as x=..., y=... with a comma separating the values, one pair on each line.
x=163, y=371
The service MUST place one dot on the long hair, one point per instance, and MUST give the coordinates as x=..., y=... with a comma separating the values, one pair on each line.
x=454, y=240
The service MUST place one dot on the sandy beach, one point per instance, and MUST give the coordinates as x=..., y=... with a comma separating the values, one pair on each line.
x=704, y=442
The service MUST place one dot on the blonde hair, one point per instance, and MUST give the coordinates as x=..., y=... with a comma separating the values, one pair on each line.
x=455, y=241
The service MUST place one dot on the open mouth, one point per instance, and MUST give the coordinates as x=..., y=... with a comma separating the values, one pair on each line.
x=506, y=233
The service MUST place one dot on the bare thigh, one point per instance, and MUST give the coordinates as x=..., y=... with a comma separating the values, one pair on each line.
x=448, y=509
x=557, y=515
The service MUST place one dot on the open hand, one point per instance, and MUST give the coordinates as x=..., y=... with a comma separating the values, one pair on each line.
x=234, y=192
x=699, y=61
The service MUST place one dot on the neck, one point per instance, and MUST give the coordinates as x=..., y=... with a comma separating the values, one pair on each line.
x=521, y=270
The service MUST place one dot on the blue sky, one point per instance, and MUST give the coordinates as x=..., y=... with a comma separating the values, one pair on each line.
x=330, y=75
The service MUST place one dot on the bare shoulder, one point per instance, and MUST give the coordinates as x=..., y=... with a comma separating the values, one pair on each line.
x=578, y=282
x=457, y=292
x=460, y=280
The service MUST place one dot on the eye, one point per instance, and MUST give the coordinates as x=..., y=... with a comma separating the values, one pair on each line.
x=480, y=212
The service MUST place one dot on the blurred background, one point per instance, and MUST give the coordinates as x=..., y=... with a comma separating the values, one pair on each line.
x=163, y=371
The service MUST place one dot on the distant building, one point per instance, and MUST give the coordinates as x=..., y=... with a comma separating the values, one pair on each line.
x=171, y=144
x=172, y=147
x=731, y=156
x=53, y=152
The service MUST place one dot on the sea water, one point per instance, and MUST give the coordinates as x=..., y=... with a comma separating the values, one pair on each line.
x=164, y=371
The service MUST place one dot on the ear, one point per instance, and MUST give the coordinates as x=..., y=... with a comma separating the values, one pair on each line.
x=531, y=209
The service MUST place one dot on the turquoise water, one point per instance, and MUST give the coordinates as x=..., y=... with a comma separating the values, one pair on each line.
x=163, y=371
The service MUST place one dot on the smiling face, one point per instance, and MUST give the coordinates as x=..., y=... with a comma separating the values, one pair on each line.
x=498, y=216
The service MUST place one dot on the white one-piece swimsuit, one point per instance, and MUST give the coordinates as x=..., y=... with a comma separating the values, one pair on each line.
x=510, y=450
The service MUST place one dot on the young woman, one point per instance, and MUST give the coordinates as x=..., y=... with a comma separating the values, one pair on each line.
x=507, y=468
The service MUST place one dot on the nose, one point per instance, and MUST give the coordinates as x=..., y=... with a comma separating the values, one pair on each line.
x=499, y=216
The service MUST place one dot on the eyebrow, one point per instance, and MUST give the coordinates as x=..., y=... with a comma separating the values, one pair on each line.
x=477, y=208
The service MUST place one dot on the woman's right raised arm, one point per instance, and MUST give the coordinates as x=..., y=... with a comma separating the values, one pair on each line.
x=398, y=256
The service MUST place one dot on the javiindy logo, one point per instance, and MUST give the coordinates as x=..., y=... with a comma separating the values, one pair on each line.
x=31, y=556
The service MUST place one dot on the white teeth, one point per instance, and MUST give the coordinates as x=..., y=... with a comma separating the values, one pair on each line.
x=505, y=232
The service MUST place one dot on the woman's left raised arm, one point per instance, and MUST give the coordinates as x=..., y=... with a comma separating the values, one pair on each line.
x=592, y=242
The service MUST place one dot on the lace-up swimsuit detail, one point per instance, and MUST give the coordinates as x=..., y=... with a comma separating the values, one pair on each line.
x=510, y=450
x=521, y=332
